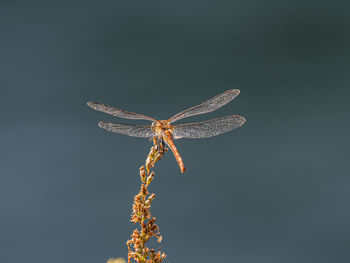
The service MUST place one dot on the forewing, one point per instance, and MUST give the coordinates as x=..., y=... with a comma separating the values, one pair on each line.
x=118, y=112
x=207, y=106
x=207, y=128
x=141, y=131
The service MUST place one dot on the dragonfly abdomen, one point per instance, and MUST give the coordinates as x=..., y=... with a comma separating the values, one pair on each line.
x=169, y=141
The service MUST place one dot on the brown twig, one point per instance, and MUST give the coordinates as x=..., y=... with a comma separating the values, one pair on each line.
x=141, y=214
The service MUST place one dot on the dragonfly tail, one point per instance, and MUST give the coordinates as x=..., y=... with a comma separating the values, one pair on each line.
x=178, y=158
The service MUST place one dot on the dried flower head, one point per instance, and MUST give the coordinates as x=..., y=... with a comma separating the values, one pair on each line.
x=141, y=214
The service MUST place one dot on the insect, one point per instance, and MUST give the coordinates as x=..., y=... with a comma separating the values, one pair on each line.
x=162, y=131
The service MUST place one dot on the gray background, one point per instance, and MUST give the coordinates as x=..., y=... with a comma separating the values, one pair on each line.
x=275, y=190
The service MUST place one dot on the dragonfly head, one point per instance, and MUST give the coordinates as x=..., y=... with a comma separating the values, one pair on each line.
x=153, y=126
x=160, y=125
x=156, y=127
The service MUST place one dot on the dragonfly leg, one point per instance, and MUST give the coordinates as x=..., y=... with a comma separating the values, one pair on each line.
x=157, y=151
x=160, y=151
x=161, y=148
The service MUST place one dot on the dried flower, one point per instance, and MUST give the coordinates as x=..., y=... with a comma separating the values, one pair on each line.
x=150, y=178
x=142, y=174
x=141, y=214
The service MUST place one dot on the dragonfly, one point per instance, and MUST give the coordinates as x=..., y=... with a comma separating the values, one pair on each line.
x=163, y=131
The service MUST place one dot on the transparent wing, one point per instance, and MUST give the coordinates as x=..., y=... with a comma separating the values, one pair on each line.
x=118, y=112
x=207, y=128
x=141, y=131
x=207, y=106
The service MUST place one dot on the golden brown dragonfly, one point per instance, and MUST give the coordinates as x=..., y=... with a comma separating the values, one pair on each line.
x=163, y=132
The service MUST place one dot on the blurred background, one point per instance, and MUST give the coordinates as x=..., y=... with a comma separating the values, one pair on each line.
x=275, y=190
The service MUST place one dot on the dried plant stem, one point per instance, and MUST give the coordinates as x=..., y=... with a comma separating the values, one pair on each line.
x=141, y=214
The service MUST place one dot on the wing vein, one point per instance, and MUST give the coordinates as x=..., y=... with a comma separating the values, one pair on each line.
x=118, y=112
x=207, y=106
x=209, y=128
x=141, y=131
